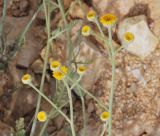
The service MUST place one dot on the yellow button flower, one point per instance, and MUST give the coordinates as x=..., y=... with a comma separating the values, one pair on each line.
x=91, y=16
x=128, y=37
x=81, y=70
x=26, y=79
x=42, y=116
x=86, y=30
x=60, y=74
x=108, y=20
x=104, y=116
x=64, y=69
x=54, y=65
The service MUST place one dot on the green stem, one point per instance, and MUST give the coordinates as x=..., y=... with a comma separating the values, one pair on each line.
x=83, y=104
x=51, y=115
x=119, y=49
x=43, y=128
x=50, y=102
x=28, y=26
x=69, y=42
x=104, y=129
x=71, y=107
x=112, y=83
x=2, y=49
x=76, y=82
x=84, y=116
x=99, y=27
x=88, y=93
x=104, y=38
x=47, y=15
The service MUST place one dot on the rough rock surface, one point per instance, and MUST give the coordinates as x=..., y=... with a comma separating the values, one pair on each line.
x=144, y=41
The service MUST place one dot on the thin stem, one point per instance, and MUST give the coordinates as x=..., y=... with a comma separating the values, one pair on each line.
x=76, y=82
x=104, y=129
x=58, y=34
x=104, y=38
x=43, y=128
x=88, y=93
x=54, y=4
x=83, y=104
x=47, y=15
x=28, y=26
x=51, y=115
x=69, y=42
x=112, y=84
x=84, y=116
x=2, y=49
x=50, y=102
x=119, y=49
x=99, y=27
x=71, y=107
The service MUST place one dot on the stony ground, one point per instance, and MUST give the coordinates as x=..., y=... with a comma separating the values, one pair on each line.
x=136, y=108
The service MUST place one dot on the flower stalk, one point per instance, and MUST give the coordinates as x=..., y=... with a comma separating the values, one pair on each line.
x=112, y=82
x=50, y=102
x=47, y=15
x=71, y=107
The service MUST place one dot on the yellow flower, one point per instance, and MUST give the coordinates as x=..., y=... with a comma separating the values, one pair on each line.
x=64, y=69
x=91, y=16
x=54, y=65
x=26, y=79
x=60, y=74
x=108, y=20
x=104, y=116
x=42, y=116
x=128, y=37
x=86, y=30
x=81, y=70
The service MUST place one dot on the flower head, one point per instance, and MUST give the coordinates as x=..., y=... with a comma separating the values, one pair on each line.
x=128, y=37
x=26, y=79
x=54, y=65
x=42, y=116
x=60, y=74
x=108, y=20
x=81, y=70
x=104, y=116
x=91, y=16
x=86, y=30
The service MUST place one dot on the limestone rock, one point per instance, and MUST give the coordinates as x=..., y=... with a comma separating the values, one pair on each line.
x=75, y=11
x=121, y=8
x=97, y=61
x=144, y=41
x=117, y=7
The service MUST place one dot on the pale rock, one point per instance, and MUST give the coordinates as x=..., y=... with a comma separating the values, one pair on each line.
x=122, y=7
x=11, y=29
x=88, y=51
x=37, y=66
x=154, y=9
x=117, y=7
x=96, y=66
x=76, y=11
x=155, y=15
x=137, y=74
x=32, y=46
x=144, y=41
x=100, y=5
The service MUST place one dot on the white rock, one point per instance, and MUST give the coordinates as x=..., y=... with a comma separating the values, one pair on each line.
x=137, y=74
x=144, y=40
